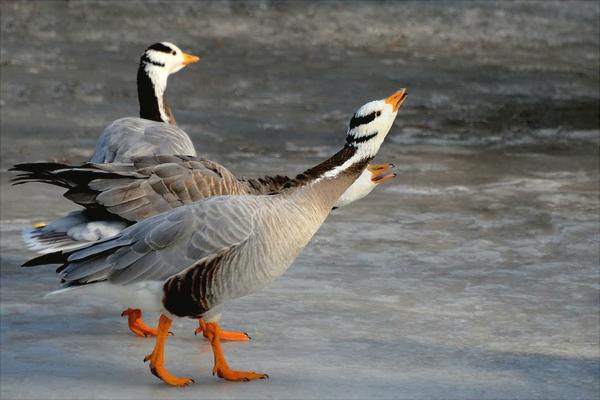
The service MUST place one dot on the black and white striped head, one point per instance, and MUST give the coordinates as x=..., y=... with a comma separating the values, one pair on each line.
x=371, y=123
x=367, y=130
x=166, y=58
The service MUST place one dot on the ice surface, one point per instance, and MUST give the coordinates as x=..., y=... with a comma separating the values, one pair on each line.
x=473, y=275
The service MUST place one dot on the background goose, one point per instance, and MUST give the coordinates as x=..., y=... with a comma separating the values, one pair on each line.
x=153, y=133
x=188, y=261
x=129, y=137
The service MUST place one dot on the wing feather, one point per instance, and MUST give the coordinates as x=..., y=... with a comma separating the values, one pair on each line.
x=136, y=270
x=168, y=243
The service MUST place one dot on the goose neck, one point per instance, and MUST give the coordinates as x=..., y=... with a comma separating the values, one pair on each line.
x=152, y=84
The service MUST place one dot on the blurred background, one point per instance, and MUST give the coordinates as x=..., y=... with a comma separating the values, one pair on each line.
x=473, y=274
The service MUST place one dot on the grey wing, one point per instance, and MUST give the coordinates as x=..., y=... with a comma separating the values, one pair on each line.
x=126, y=138
x=166, y=244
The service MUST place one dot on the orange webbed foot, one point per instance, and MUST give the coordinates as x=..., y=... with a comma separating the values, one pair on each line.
x=158, y=369
x=137, y=325
x=221, y=368
x=223, y=335
x=157, y=357
x=237, y=376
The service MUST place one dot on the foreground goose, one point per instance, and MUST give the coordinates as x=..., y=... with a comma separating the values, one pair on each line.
x=187, y=262
x=128, y=193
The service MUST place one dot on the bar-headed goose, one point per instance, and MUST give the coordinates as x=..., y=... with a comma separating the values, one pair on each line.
x=154, y=132
x=187, y=262
x=120, y=194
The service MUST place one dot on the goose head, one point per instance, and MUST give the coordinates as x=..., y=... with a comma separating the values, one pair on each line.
x=371, y=123
x=166, y=58
x=367, y=129
x=156, y=64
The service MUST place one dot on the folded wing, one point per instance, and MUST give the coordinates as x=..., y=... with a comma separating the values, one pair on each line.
x=161, y=246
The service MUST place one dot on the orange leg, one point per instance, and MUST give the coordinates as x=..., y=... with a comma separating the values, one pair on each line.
x=213, y=333
x=136, y=325
x=223, y=335
x=157, y=357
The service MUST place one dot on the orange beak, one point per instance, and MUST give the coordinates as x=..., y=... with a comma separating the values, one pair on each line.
x=381, y=172
x=190, y=59
x=379, y=167
x=397, y=99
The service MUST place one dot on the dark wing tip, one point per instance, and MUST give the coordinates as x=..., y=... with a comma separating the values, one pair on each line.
x=50, y=258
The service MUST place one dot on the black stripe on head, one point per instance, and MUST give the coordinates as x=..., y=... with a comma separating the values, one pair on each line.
x=351, y=140
x=146, y=59
x=160, y=47
x=357, y=121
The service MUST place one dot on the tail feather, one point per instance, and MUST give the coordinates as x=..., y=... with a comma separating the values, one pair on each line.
x=41, y=241
x=38, y=166
x=77, y=179
x=51, y=258
x=72, y=231
x=39, y=172
x=63, y=175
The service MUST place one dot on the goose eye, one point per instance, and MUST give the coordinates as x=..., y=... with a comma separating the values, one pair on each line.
x=378, y=113
x=173, y=52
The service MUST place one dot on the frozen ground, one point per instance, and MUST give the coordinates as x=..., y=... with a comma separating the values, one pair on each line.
x=475, y=274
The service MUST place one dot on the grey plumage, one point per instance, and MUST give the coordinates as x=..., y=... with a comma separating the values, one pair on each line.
x=212, y=250
x=178, y=238
x=205, y=253
x=130, y=137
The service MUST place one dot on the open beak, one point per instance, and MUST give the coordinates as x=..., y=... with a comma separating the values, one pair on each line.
x=190, y=59
x=397, y=99
x=381, y=172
